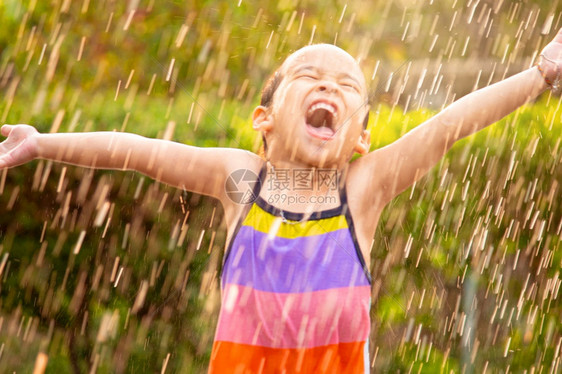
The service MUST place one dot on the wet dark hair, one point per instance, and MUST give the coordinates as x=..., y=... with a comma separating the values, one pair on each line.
x=271, y=86
x=269, y=89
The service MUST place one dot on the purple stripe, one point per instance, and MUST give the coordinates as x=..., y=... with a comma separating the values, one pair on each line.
x=305, y=264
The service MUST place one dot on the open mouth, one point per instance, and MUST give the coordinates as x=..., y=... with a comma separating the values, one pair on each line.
x=320, y=120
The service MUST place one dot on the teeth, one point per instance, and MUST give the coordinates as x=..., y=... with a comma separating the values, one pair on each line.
x=325, y=106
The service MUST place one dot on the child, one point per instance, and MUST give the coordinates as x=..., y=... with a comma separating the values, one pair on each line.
x=296, y=285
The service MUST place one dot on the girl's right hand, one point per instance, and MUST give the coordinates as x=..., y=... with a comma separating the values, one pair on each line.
x=19, y=147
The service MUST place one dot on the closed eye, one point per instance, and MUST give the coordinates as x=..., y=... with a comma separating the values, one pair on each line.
x=350, y=85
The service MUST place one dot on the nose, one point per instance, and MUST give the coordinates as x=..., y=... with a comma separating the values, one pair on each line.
x=327, y=86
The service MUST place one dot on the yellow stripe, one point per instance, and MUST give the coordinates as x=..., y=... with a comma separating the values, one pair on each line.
x=265, y=222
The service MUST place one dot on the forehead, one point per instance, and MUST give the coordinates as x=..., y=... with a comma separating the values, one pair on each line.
x=326, y=58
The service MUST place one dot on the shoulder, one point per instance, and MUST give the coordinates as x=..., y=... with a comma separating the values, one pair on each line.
x=229, y=160
x=366, y=173
x=237, y=164
x=234, y=159
x=376, y=175
x=240, y=167
x=367, y=184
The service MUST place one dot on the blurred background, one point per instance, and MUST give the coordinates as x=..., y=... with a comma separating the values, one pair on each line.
x=111, y=272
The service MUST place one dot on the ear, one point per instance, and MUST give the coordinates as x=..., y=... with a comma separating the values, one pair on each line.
x=363, y=143
x=262, y=119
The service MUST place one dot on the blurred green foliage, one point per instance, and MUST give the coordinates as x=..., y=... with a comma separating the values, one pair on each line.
x=489, y=213
x=112, y=271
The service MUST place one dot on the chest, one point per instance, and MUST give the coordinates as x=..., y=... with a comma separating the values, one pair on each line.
x=298, y=286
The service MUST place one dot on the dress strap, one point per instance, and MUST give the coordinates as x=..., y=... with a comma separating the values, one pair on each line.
x=259, y=182
x=351, y=225
x=342, y=190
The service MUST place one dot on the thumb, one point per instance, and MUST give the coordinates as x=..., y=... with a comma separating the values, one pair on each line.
x=6, y=130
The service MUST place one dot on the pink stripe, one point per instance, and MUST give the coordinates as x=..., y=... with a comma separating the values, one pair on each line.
x=300, y=320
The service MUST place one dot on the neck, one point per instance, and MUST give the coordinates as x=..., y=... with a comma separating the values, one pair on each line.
x=295, y=162
x=302, y=189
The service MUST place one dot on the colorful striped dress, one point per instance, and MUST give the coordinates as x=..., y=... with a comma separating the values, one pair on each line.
x=295, y=296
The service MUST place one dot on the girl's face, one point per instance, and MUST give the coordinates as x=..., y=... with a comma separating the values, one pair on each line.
x=316, y=118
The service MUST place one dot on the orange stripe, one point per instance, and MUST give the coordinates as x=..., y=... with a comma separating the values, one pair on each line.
x=230, y=357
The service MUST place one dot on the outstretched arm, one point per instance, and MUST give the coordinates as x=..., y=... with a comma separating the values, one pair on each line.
x=398, y=165
x=200, y=170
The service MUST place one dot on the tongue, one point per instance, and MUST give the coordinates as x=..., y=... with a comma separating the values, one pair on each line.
x=321, y=132
x=319, y=122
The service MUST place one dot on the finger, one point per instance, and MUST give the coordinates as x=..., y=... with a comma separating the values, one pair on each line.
x=6, y=129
